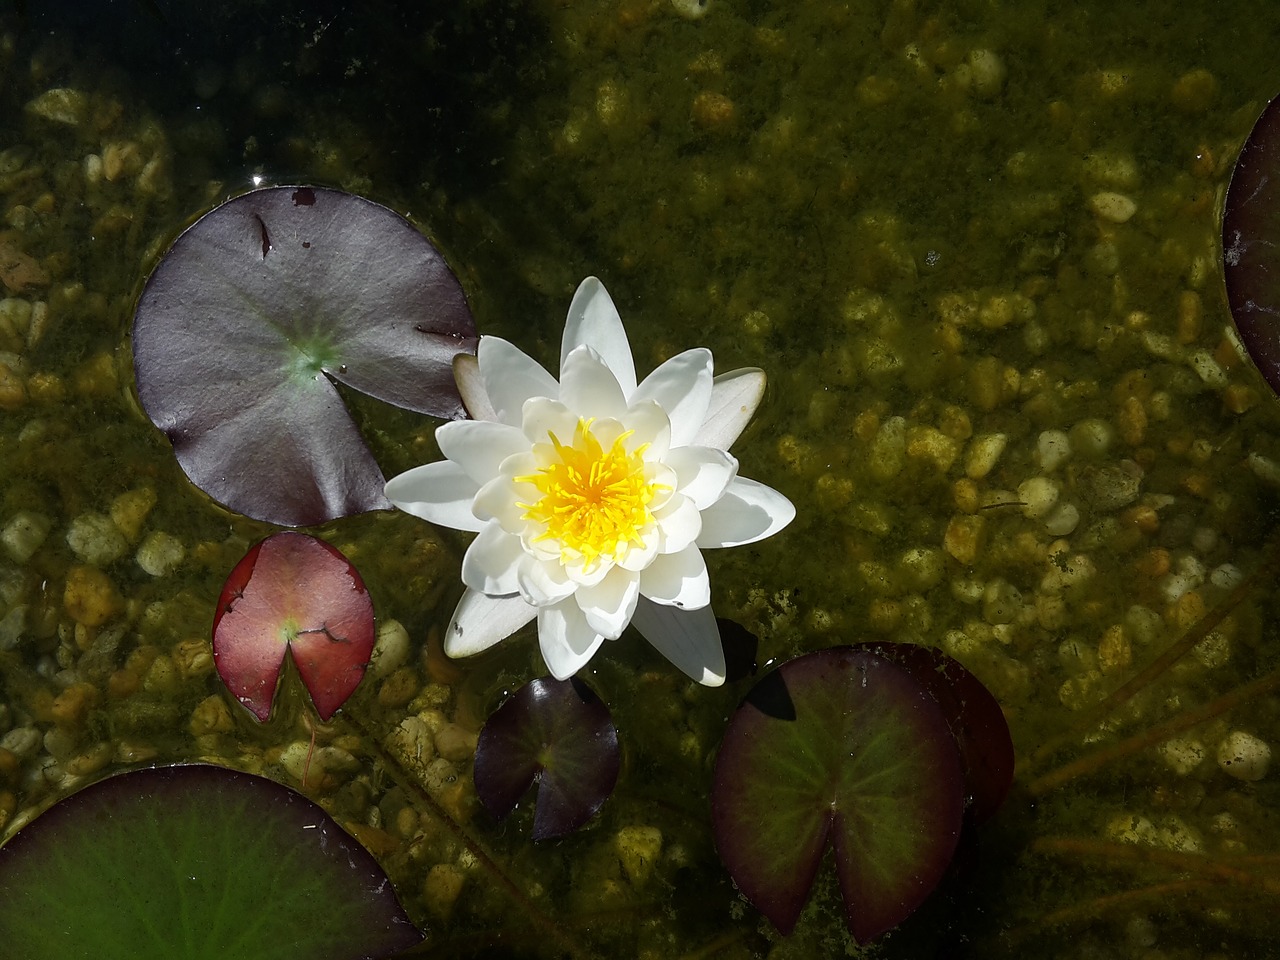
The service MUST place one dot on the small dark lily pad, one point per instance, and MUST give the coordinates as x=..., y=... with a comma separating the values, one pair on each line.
x=194, y=862
x=842, y=745
x=556, y=733
x=1251, y=244
x=293, y=594
x=254, y=312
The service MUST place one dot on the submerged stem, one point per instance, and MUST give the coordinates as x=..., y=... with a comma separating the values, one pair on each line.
x=1172, y=654
x=1138, y=856
x=1092, y=762
x=540, y=921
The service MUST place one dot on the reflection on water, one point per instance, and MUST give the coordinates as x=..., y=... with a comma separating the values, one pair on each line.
x=975, y=249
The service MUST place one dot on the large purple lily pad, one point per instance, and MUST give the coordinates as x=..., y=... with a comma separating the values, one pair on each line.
x=556, y=733
x=253, y=314
x=1251, y=244
x=194, y=862
x=295, y=595
x=840, y=745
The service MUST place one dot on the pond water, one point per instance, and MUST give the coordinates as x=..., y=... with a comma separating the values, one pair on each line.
x=974, y=246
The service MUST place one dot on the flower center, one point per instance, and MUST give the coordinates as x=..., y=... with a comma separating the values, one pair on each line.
x=595, y=502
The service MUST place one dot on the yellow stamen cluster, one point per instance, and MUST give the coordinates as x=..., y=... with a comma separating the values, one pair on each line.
x=594, y=502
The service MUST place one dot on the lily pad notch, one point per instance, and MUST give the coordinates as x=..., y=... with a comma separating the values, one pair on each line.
x=254, y=314
x=873, y=749
x=293, y=595
x=558, y=737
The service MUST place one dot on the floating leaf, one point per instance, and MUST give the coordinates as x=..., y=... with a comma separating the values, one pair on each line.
x=559, y=734
x=194, y=863
x=251, y=315
x=975, y=718
x=293, y=594
x=840, y=744
x=1251, y=244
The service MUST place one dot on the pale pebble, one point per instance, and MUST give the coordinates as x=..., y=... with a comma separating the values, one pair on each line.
x=1244, y=756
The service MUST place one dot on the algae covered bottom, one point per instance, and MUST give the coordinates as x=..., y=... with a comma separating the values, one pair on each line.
x=974, y=246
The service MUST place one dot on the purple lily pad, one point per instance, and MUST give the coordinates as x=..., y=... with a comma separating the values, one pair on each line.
x=199, y=862
x=296, y=595
x=556, y=733
x=253, y=313
x=1251, y=244
x=975, y=718
x=840, y=745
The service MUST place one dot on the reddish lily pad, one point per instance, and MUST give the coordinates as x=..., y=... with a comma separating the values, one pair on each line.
x=293, y=594
x=194, y=862
x=1251, y=244
x=252, y=315
x=975, y=718
x=840, y=745
x=556, y=733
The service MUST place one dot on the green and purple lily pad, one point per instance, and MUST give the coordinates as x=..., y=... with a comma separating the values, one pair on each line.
x=194, y=862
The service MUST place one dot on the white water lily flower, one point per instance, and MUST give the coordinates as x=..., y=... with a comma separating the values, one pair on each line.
x=593, y=497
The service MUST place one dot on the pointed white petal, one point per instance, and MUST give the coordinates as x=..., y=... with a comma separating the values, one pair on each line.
x=491, y=562
x=566, y=639
x=680, y=524
x=677, y=579
x=690, y=639
x=541, y=417
x=479, y=446
x=682, y=387
x=511, y=377
x=748, y=511
x=543, y=583
x=608, y=605
x=593, y=320
x=466, y=374
x=440, y=492
x=702, y=473
x=588, y=387
x=734, y=398
x=481, y=621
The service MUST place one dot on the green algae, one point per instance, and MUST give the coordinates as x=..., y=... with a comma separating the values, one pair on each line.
x=864, y=221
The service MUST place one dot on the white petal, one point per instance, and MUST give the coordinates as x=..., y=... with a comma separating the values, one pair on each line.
x=649, y=425
x=637, y=558
x=511, y=377
x=566, y=639
x=479, y=446
x=677, y=579
x=748, y=511
x=481, y=621
x=466, y=374
x=682, y=387
x=543, y=582
x=491, y=562
x=440, y=492
x=593, y=320
x=702, y=474
x=499, y=499
x=608, y=605
x=541, y=417
x=690, y=639
x=734, y=398
x=680, y=523
x=588, y=387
